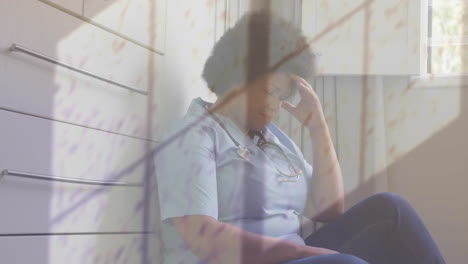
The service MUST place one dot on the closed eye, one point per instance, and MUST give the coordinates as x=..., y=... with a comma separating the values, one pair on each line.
x=281, y=94
x=275, y=90
x=270, y=91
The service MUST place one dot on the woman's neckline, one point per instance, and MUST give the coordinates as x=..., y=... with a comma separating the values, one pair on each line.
x=207, y=105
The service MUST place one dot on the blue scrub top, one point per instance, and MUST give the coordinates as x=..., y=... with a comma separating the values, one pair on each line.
x=200, y=173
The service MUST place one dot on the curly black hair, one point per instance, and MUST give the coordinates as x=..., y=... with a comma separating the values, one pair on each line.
x=276, y=46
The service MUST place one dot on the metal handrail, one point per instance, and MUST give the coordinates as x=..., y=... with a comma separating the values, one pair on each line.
x=38, y=176
x=16, y=47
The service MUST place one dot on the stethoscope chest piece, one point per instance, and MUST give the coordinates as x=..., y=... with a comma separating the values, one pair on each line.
x=243, y=152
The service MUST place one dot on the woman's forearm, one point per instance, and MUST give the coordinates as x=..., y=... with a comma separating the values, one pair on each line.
x=327, y=182
x=327, y=185
x=217, y=242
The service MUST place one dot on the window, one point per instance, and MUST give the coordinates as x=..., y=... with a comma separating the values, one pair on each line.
x=448, y=36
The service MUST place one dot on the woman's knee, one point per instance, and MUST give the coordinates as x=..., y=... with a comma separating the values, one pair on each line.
x=330, y=259
x=347, y=259
x=390, y=200
x=384, y=206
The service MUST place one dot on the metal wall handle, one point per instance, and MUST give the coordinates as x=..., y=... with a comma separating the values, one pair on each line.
x=38, y=176
x=16, y=47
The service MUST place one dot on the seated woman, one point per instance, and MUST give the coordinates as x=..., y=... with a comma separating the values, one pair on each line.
x=232, y=186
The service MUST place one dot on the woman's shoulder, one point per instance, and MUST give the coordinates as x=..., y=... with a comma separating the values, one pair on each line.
x=191, y=129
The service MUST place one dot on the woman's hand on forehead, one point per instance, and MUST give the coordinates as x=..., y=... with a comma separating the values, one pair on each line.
x=309, y=110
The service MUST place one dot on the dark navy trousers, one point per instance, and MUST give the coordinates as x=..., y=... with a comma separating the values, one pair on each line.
x=382, y=229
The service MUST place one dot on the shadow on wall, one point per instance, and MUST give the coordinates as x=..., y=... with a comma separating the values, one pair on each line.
x=432, y=174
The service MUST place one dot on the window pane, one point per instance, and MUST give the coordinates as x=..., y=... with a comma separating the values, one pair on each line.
x=448, y=34
x=449, y=18
x=449, y=59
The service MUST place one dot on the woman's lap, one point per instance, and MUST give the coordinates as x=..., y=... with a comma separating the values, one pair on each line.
x=383, y=228
x=330, y=259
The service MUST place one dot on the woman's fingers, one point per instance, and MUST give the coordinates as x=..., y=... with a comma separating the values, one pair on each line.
x=300, y=85
x=301, y=113
x=303, y=86
x=288, y=106
x=302, y=89
x=301, y=81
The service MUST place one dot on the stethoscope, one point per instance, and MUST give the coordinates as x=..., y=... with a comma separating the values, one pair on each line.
x=244, y=153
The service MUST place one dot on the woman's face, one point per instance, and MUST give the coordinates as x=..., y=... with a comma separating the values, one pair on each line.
x=263, y=99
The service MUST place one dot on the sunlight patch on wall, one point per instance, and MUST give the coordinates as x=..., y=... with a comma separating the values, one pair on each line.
x=416, y=113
